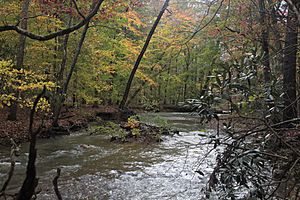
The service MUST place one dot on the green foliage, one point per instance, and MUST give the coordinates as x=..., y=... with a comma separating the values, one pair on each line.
x=150, y=105
x=135, y=132
x=112, y=129
x=243, y=165
x=236, y=82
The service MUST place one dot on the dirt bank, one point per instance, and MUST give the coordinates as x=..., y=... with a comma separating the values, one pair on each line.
x=71, y=119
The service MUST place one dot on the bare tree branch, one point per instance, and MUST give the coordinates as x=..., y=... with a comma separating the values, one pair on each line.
x=205, y=25
x=55, y=34
x=295, y=9
x=77, y=9
x=55, y=185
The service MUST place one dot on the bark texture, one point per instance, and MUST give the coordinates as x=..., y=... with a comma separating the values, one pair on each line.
x=265, y=43
x=290, y=62
x=61, y=97
x=31, y=181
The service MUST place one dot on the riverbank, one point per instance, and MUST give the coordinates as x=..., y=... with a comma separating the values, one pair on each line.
x=75, y=119
x=71, y=119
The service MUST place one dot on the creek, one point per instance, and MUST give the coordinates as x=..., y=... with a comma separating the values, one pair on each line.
x=95, y=168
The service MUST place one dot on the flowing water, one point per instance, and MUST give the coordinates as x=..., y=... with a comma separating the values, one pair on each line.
x=94, y=168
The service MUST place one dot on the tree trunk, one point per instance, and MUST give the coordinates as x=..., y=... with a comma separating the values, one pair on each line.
x=72, y=68
x=167, y=83
x=277, y=35
x=59, y=80
x=144, y=82
x=187, y=66
x=20, y=56
x=265, y=44
x=137, y=63
x=289, y=68
x=27, y=190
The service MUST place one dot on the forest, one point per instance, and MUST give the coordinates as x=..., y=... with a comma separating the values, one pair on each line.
x=150, y=99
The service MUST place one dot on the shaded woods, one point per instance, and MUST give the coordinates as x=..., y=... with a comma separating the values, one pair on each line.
x=107, y=58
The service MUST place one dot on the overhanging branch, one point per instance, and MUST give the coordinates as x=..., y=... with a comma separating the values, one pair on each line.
x=55, y=34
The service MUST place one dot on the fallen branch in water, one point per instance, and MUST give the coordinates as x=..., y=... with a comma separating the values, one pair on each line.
x=55, y=185
x=31, y=181
x=14, y=153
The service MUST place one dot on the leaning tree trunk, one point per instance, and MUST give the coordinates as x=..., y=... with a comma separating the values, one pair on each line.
x=20, y=56
x=135, y=93
x=31, y=181
x=72, y=68
x=137, y=62
x=290, y=62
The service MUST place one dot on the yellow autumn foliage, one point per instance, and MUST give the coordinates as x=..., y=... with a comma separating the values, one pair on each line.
x=14, y=82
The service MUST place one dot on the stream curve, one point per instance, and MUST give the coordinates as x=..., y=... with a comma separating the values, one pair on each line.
x=94, y=168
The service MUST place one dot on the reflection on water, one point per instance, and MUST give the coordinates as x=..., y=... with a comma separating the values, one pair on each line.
x=181, y=121
x=94, y=168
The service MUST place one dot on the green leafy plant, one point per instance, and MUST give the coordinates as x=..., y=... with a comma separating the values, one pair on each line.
x=150, y=105
x=112, y=129
x=135, y=132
